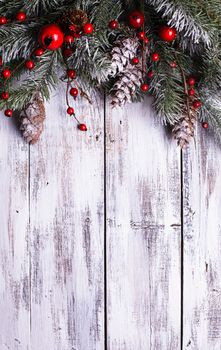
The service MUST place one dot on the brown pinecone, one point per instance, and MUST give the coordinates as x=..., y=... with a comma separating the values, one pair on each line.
x=32, y=119
x=78, y=18
x=184, y=129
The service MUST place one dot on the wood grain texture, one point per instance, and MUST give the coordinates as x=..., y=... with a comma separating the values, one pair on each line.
x=202, y=244
x=67, y=230
x=14, y=246
x=143, y=233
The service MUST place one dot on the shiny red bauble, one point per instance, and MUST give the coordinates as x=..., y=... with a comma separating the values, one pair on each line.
x=141, y=35
x=155, y=57
x=146, y=40
x=74, y=92
x=113, y=24
x=135, y=61
x=82, y=127
x=3, y=20
x=173, y=64
x=69, y=39
x=150, y=74
x=39, y=51
x=70, y=110
x=71, y=73
x=30, y=64
x=6, y=73
x=197, y=104
x=21, y=16
x=144, y=87
x=205, y=125
x=5, y=95
x=9, y=113
x=88, y=28
x=136, y=19
x=167, y=33
x=51, y=37
x=191, y=92
x=191, y=81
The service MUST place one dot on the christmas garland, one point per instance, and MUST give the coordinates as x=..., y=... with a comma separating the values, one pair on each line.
x=169, y=49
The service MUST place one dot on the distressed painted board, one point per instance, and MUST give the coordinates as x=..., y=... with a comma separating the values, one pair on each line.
x=202, y=244
x=14, y=242
x=67, y=230
x=143, y=232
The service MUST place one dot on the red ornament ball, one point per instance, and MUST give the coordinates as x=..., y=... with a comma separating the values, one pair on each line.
x=150, y=74
x=144, y=87
x=21, y=16
x=155, y=57
x=69, y=39
x=9, y=113
x=113, y=24
x=5, y=95
x=205, y=125
x=141, y=35
x=146, y=40
x=51, y=37
x=191, y=81
x=67, y=52
x=136, y=19
x=167, y=33
x=30, y=64
x=173, y=64
x=135, y=61
x=6, y=73
x=74, y=92
x=191, y=92
x=197, y=104
x=39, y=51
x=3, y=20
x=88, y=28
x=71, y=73
x=82, y=127
x=70, y=110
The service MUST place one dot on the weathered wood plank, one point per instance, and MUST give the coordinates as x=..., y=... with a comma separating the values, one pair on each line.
x=67, y=231
x=14, y=247
x=143, y=233
x=202, y=244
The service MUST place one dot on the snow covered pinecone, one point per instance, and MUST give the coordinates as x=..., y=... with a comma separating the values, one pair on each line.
x=32, y=119
x=184, y=129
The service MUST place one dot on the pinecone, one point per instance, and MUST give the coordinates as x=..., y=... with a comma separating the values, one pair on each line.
x=184, y=129
x=128, y=77
x=32, y=119
x=121, y=55
x=77, y=18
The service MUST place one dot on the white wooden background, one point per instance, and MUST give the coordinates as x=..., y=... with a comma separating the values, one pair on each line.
x=109, y=243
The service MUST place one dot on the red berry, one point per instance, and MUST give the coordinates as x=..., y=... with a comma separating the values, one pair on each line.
x=144, y=87
x=29, y=64
x=39, y=51
x=146, y=40
x=70, y=111
x=51, y=37
x=71, y=73
x=136, y=19
x=155, y=57
x=191, y=81
x=88, y=28
x=113, y=24
x=82, y=127
x=6, y=73
x=1, y=61
x=197, y=104
x=205, y=125
x=141, y=35
x=3, y=20
x=167, y=33
x=173, y=64
x=150, y=74
x=5, y=95
x=9, y=113
x=21, y=16
x=191, y=92
x=74, y=92
x=135, y=60
x=69, y=39
x=67, y=52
